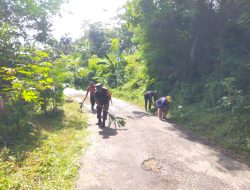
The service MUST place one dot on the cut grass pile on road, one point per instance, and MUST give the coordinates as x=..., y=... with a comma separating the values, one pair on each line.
x=47, y=157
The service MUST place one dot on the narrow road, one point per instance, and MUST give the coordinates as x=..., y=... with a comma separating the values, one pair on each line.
x=149, y=154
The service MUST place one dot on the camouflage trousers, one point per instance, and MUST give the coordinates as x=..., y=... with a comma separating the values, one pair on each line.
x=102, y=111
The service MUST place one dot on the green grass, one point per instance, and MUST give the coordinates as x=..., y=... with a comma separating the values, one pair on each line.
x=48, y=157
x=229, y=130
x=135, y=96
x=224, y=128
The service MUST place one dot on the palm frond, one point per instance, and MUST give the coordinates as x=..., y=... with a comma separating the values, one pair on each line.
x=118, y=121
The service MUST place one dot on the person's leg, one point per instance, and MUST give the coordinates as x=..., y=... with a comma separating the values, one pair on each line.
x=99, y=114
x=105, y=114
x=159, y=113
x=92, y=101
x=146, y=102
x=164, y=113
x=150, y=103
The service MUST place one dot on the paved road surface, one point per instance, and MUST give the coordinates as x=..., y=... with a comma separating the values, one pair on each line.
x=149, y=154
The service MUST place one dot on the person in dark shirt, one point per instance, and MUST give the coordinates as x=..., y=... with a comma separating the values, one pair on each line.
x=163, y=104
x=149, y=98
x=102, y=99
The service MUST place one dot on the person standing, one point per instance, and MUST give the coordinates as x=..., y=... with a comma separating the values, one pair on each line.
x=149, y=99
x=102, y=99
x=91, y=92
x=163, y=104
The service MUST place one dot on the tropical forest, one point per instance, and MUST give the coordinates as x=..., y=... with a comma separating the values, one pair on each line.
x=196, y=51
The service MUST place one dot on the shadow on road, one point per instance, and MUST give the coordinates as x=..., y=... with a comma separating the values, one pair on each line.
x=106, y=132
x=228, y=160
x=139, y=114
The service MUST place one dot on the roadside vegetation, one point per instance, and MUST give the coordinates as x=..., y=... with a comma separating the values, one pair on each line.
x=47, y=155
x=195, y=51
x=41, y=136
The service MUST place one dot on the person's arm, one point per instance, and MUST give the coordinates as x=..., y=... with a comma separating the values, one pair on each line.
x=96, y=99
x=164, y=103
x=158, y=103
x=86, y=94
x=109, y=96
x=88, y=89
x=154, y=98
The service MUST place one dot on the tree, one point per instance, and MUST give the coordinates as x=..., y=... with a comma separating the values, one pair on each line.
x=28, y=78
x=177, y=41
x=104, y=43
x=29, y=18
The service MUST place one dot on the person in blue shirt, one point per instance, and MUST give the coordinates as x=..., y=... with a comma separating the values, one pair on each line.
x=163, y=104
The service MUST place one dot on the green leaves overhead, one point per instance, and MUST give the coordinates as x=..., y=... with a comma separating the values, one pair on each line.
x=29, y=18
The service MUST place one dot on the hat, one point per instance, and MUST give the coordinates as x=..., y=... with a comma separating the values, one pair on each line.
x=169, y=98
x=98, y=85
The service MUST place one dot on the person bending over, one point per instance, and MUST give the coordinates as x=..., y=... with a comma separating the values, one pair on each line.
x=163, y=104
x=149, y=98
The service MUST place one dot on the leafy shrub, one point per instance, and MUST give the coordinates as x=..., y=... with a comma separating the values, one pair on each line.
x=32, y=84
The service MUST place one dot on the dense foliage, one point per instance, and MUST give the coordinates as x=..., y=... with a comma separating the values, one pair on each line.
x=106, y=56
x=31, y=75
x=40, y=140
x=196, y=51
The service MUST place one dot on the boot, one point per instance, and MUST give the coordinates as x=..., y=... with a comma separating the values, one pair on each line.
x=99, y=122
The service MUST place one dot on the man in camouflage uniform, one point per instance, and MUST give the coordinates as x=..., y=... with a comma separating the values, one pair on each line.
x=102, y=99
